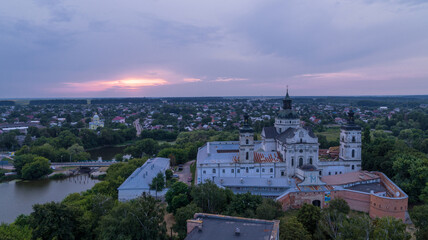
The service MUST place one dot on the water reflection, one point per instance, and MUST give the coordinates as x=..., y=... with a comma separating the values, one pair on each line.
x=18, y=197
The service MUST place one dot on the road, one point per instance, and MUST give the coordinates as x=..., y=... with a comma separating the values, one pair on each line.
x=185, y=174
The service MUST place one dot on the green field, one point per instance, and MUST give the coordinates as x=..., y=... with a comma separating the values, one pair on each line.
x=332, y=134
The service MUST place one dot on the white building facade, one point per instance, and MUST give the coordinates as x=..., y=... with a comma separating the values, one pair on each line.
x=283, y=150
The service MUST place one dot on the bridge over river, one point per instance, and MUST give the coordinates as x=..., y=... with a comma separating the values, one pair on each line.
x=86, y=164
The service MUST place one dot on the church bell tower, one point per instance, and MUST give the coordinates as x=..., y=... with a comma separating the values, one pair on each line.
x=246, y=142
x=350, y=143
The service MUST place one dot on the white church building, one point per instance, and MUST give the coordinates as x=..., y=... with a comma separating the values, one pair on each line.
x=268, y=167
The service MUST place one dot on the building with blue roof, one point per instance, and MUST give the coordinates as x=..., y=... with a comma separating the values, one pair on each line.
x=139, y=182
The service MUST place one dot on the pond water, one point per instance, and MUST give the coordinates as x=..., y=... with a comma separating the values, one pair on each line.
x=18, y=197
x=106, y=153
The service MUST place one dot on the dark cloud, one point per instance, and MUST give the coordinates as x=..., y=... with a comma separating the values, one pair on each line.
x=47, y=43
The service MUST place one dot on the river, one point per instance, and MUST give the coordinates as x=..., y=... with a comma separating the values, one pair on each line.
x=106, y=153
x=18, y=197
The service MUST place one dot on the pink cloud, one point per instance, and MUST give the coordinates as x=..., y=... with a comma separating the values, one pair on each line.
x=190, y=80
x=222, y=79
x=128, y=84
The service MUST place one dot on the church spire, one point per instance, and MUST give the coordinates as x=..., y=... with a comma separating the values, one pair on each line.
x=287, y=101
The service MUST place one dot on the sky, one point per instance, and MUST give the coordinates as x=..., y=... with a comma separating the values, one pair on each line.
x=159, y=48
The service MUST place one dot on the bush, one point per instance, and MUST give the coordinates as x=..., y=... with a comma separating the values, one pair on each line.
x=37, y=169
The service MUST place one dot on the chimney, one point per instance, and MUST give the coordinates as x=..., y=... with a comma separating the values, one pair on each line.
x=237, y=231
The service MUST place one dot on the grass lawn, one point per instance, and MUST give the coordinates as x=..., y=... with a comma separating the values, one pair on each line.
x=332, y=134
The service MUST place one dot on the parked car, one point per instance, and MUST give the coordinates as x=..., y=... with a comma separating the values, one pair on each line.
x=175, y=176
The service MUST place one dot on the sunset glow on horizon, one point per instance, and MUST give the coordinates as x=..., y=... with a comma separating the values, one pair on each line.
x=130, y=84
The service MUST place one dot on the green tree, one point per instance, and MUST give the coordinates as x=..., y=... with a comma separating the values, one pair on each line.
x=178, y=201
x=147, y=146
x=141, y=218
x=158, y=182
x=390, y=228
x=366, y=136
x=358, y=227
x=36, y=169
x=176, y=189
x=168, y=174
x=20, y=162
x=309, y=215
x=244, y=205
x=339, y=205
x=181, y=217
x=14, y=232
x=292, y=229
x=411, y=173
x=210, y=197
x=180, y=155
x=118, y=157
x=419, y=217
x=53, y=221
x=269, y=209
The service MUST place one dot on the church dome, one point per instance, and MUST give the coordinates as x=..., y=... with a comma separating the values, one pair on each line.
x=287, y=114
x=96, y=117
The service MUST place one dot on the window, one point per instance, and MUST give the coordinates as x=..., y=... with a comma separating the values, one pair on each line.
x=238, y=171
x=340, y=172
x=282, y=173
x=246, y=141
x=300, y=162
x=300, y=150
x=232, y=170
x=353, y=138
x=213, y=170
x=271, y=170
x=353, y=167
x=257, y=170
x=246, y=155
x=246, y=170
x=263, y=170
x=329, y=173
x=320, y=173
x=292, y=161
x=335, y=173
x=353, y=153
x=223, y=171
x=204, y=171
x=310, y=160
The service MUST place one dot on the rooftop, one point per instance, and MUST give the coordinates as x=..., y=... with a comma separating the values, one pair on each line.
x=375, y=187
x=350, y=177
x=142, y=177
x=228, y=152
x=225, y=227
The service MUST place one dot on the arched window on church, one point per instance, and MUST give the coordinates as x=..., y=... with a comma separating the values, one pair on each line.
x=353, y=138
x=310, y=160
x=300, y=162
x=353, y=153
x=246, y=155
x=246, y=141
x=292, y=161
x=301, y=140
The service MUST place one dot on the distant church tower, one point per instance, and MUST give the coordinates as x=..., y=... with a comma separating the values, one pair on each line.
x=350, y=143
x=287, y=118
x=246, y=142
